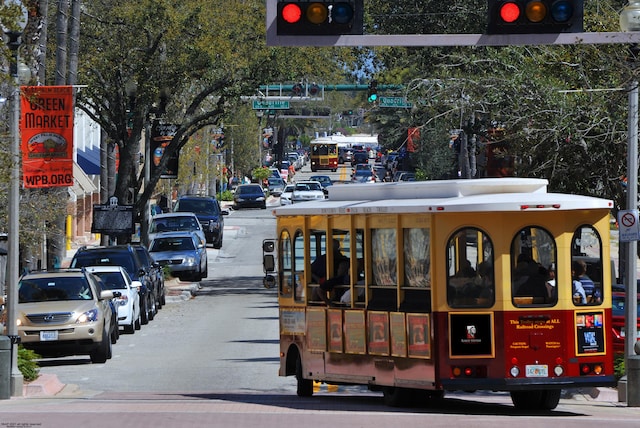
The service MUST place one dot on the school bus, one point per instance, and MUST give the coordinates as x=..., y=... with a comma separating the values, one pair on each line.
x=452, y=285
x=324, y=155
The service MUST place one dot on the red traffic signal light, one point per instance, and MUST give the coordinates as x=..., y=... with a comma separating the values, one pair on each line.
x=535, y=16
x=315, y=18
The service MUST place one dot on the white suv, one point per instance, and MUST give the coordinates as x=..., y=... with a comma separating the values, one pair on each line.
x=307, y=191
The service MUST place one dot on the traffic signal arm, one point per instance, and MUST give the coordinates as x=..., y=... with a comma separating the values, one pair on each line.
x=535, y=16
x=313, y=18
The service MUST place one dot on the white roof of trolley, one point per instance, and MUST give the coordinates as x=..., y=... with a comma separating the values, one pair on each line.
x=485, y=194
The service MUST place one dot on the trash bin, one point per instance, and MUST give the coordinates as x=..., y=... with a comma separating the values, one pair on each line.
x=5, y=368
x=633, y=380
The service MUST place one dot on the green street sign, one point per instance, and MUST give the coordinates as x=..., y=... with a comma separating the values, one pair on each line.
x=397, y=102
x=270, y=105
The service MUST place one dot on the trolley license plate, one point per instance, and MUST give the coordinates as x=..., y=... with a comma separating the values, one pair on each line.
x=537, y=370
x=46, y=336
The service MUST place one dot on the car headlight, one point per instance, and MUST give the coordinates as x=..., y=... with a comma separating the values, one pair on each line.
x=189, y=260
x=89, y=316
x=260, y=199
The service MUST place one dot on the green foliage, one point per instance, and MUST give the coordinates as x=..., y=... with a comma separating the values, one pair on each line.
x=261, y=173
x=26, y=364
x=618, y=366
x=561, y=107
x=227, y=195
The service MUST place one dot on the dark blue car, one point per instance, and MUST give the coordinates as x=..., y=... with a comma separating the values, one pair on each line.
x=249, y=196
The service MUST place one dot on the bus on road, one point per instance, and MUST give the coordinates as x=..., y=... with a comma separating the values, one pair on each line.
x=439, y=286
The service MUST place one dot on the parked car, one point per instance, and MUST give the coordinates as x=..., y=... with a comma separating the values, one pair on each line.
x=276, y=185
x=296, y=160
x=209, y=213
x=127, y=257
x=287, y=193
x=307, y=191
x=154, y=272
x=172, y=222
x=65, y=312
x=249, y=196
x=115, y=278
x=618, y=317
x=407, y=176
x=182, y=253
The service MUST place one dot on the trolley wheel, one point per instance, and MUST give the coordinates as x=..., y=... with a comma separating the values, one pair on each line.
x=550, y=399
x=305, y=386
x=396, y=397
x=527, y=400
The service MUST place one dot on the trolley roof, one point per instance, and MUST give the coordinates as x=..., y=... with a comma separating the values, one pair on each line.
x=479, y=195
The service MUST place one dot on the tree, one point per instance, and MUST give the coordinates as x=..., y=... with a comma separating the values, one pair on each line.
x=577, y=140
x=207, y=55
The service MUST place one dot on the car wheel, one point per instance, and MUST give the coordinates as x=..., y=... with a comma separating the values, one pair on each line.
x=131, y=328
x=151, y=306
x=163, y=298
x=136, y=323
x=159, y=302
x=218, y=244
x=144, y=312
x=114, y=334
x=103, y=351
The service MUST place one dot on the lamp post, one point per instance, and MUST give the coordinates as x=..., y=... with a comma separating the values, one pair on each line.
x=630, y=21
x=13, y=34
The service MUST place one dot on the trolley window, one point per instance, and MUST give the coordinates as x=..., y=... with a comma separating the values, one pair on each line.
x=286, y=264
x=586, y=267
x=470, y=277
x=533, y=255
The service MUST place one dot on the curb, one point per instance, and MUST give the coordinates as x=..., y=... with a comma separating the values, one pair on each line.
x=44, y=385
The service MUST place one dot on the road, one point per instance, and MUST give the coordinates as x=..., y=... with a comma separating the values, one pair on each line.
x=213, y=361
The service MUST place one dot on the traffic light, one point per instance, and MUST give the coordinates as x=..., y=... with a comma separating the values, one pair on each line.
x=314, y=90
x=535, y=16
x=297, y=90
x=323, y=17
x=373, y=92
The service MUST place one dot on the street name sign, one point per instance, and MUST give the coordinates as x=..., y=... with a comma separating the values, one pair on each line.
x=397, y=102
x=271, y=105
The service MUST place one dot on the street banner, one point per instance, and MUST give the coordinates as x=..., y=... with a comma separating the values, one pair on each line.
x=413, y=139
x=46, y=127
x=161, y=136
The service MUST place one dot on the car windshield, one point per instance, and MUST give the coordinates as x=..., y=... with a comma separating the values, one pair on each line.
x=51, y=289
x=172, y=244
x=111, y=280
x=203, y=206
x=97, y=258
x=617, y=306
x=173, y=224
x=249, y=190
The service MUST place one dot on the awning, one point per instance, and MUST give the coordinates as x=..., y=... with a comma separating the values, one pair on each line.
x=89, y=160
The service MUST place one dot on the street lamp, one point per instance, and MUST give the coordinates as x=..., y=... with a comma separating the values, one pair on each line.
x=13, y=33
x=630, y=21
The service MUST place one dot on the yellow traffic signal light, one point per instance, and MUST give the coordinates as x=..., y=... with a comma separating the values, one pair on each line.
x=321, y=17
x=535, y=16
